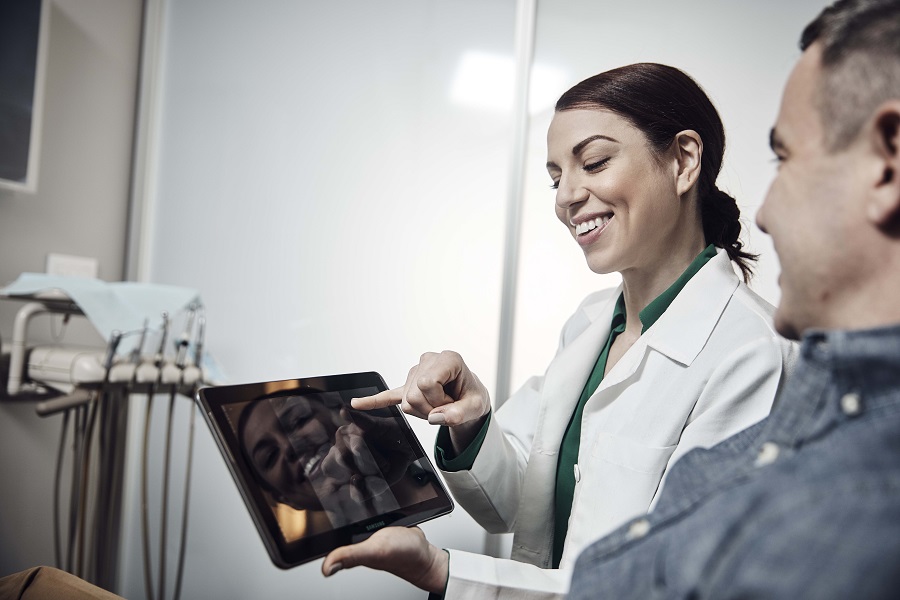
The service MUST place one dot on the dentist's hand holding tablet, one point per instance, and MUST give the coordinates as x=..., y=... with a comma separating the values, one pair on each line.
x=442, y=390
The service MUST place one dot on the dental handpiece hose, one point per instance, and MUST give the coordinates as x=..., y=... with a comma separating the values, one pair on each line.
x=198, y=355
x=145, y=511
x=106, y=461
x=85, y=450
x=181, y=346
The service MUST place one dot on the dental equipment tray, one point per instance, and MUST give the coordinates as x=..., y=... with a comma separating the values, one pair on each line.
x=316, y=474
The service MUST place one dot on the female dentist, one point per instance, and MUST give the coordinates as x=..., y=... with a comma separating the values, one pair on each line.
x=681, y=355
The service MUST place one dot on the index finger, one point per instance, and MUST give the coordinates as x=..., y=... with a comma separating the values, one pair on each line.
x=379, y=400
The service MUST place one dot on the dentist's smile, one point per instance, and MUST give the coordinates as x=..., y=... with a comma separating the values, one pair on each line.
x=589, y=230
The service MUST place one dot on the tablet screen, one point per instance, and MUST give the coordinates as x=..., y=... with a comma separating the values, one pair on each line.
x=316, y=473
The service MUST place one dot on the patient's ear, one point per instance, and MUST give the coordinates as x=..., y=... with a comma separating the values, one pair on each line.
x=688, y=153
x=884, y=203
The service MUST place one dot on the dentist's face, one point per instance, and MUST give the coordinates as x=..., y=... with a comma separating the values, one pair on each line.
x=613, y=193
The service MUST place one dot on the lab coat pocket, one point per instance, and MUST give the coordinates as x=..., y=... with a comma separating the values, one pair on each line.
x=632, y=455
x=620, y=477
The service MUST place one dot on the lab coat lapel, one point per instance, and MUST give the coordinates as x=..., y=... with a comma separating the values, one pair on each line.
x=566, y=377
x=563, y=382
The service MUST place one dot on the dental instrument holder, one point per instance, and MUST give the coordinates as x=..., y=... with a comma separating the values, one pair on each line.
x=92, y=381
x=52, y=370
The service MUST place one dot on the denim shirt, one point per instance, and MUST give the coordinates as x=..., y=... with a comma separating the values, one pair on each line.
x=804, y=504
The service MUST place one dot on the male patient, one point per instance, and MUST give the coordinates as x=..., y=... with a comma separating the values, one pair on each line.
x=805, y=504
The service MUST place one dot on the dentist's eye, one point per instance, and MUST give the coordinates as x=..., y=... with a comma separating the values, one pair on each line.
x=595, y=166
x=554, y=185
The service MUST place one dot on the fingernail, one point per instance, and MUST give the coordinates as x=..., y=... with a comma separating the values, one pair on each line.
x=335, y=568
x=437, y=419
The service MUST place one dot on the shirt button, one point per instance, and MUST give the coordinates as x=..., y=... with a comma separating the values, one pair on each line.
x=768, y=453
x=638, y=529
x=577, y=473
x=850, y=404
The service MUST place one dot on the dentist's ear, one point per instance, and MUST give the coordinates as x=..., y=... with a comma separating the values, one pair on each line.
x=883, y=207
x=688, y=153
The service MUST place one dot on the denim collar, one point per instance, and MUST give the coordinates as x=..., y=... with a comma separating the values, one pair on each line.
x=841, y=375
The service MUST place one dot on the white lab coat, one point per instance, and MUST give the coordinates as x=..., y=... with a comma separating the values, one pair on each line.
x=708, y=368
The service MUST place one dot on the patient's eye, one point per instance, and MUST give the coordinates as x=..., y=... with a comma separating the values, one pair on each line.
x=293, y=413
x=265, y=456
x=296, y=418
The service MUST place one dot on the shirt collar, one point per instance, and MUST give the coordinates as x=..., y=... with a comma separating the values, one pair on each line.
x=867, y=360
x=841, y=375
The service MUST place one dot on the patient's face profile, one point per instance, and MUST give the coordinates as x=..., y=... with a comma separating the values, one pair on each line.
x=811, y=187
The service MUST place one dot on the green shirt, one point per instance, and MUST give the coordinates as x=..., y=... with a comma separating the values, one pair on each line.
x=568, y=452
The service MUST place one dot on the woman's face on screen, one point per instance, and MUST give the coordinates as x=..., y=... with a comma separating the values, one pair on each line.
x=286, y=440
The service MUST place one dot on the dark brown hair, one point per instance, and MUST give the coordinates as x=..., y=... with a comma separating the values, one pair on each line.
x=661, y=101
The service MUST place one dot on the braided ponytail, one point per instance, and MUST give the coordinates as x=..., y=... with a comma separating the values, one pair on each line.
x=722, y=228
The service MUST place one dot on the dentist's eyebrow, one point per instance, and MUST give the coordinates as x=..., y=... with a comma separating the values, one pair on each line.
x=580, y=145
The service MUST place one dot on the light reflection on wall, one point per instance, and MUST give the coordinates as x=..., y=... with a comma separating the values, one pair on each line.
x=486, y=81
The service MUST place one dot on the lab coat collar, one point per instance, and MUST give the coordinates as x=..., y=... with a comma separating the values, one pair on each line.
x=682, y=331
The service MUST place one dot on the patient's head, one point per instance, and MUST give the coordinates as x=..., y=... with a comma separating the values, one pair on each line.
x=303, y=449
x=285, y=439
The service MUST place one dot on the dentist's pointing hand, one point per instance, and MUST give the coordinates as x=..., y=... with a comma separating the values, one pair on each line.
x=443, y=390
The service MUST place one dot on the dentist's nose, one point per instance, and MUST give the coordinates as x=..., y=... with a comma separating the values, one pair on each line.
x=569, y=193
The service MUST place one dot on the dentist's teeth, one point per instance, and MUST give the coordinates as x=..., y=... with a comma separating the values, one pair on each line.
x=590, y=225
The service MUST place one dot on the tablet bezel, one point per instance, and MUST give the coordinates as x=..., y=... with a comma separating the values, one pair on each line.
x=285, y=555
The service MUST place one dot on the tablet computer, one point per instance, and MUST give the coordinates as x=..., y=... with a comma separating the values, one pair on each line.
x=315, y=473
